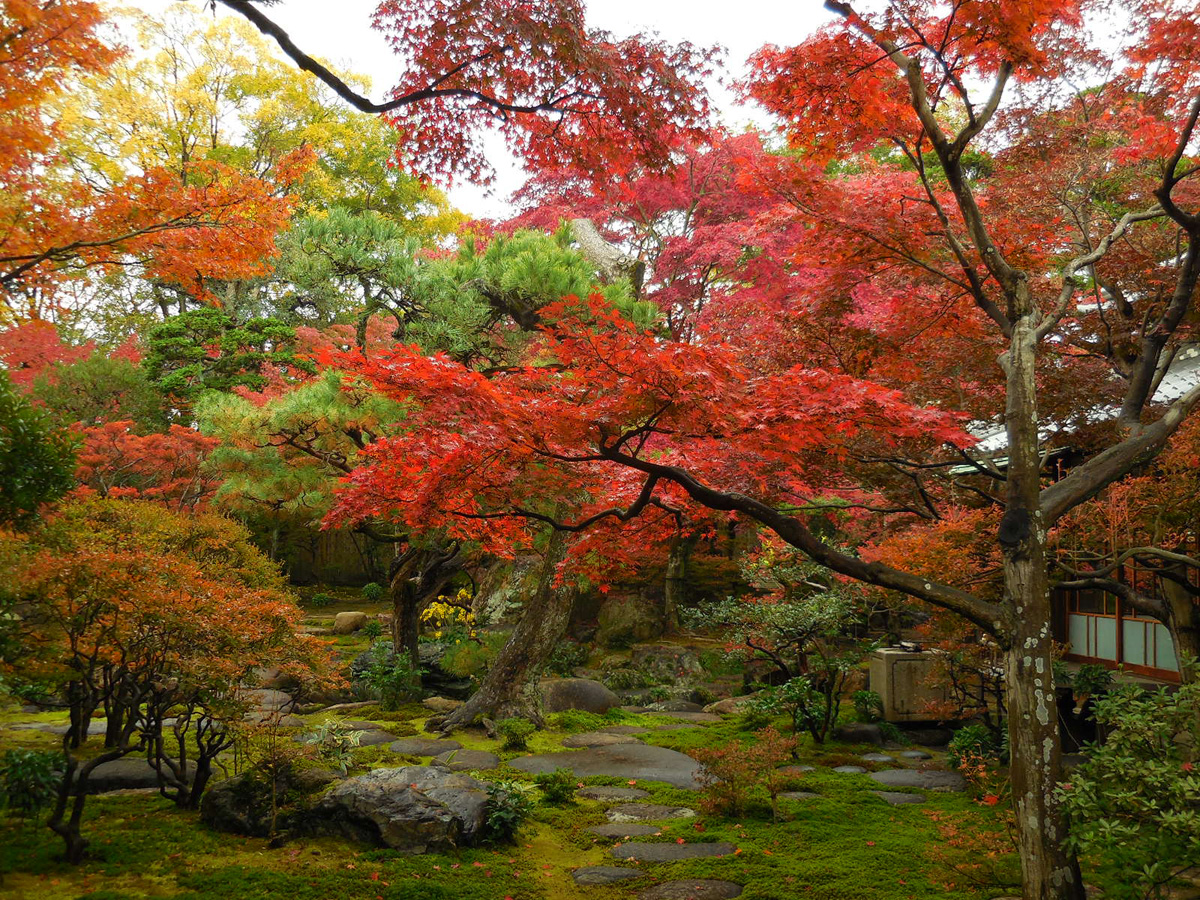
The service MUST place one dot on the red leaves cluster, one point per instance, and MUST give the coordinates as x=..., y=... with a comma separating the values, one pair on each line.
x=559, y=91
x=562, y=436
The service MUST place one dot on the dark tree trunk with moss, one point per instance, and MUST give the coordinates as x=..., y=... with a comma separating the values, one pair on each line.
x=510, y=687
x=679, y=552
x=415, y=578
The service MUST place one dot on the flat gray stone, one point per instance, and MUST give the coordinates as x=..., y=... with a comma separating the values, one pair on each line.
x=127, y=773
x=603, y=874
x=419, y=746
x=799, y=795
x=597, y=739
x=644, y=852
x=677, y=706
x=693, y=889
x=915, y=754
x=676, y=726
x=916, y=778
x=462, y=760
x=631, y=761
x=623, y=729
x=623, y=830
x=877, y=758
x=896, y=798
x=613, y=793
x=372, y=738
x=850, y=770
x=648, y=812
x=797, y=770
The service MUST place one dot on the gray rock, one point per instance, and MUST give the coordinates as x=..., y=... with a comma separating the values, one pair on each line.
x=693, y=889
x=670, y=663
x=930, y=737
x=648, y=812
x=603, y=874
x=729, y=705
x=931, y=780
x=441, y=705
x=270, y=699
x=419, y=746
x=877, y=758
x=414, y=809
x=916, y=754
x=798, y=795
x=624, y=620
x=349, y=622
x=238, y=805
x=797, y=770
x=896, y=798
x=850, y=770
x=128, y=773
x=677, y=706
x=462, y=760
x=859, y=733
x=644, y=852
x=636, y=761
x=613, y=793
x=624, y=830
x=598, y=739
x=375, y=736
x=559, y=694
x=623, y=729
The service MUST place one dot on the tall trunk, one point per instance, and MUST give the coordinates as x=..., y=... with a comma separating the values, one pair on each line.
x=1048, y=871
x=1183, y=611
x=510, y=688
x=406, y=616
x=675, y=581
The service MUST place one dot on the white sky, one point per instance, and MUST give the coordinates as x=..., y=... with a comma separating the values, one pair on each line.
x=339, y=30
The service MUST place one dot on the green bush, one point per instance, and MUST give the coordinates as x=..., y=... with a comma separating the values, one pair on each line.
x=392, y=676
x=321, y=600
x=509, y=804
x=976, y=742
x=515, y=733
x=373, y=630
x=472, y=657
x=29, y=779
x=1135, y=801
x=372, y=592
x=335, y=742
x=558, y=787
x=868, y=706
x=566, y=658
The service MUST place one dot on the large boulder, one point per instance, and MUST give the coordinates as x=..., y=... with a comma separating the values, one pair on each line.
x=414, y=809
x=667, y=663
x=127, y=773
x=625, y=620
x=559, y=694
x=349, y=622
x=242, y=804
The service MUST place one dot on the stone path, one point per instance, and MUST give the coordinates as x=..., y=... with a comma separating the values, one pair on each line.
x=634, y=761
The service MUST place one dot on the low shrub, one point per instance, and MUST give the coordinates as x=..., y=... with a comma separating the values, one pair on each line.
x=372, y=592
x=321, y=600
x=391, y=676
x=335, y=742
x=509, y=805
x=29, y=780
x=514, y=733
x=972, y=743
x=373, y=630
x=566, y=658
x=558, y=787
x=733, y=771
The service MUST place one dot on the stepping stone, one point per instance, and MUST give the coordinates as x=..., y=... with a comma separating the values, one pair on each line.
x=800, y=795
x=419, y=746
x=700, y=718
x=620, y=830
x=622, y=729
x=603, y=874
x=797, y=770
x=916, y=778
x=371, y=738
x=648, y=812
x=677, y=726
x=462, y=760
x=877, y=758
x=635, y=709
x=631, y=761
x=896, y=798
x=596, y=739
x=850, y=770
x=613, y=793
x=915, y=754
x=657, y=853
x=693, y=889
x=677, y=706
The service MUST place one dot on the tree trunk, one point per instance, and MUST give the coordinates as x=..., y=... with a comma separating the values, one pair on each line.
x=675, y=581
x=406, y=617
x=1048, y=871
x=510, y=688
x=1183, y=611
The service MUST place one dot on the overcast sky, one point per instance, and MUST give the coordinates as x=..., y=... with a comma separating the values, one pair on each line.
x=340, y=30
